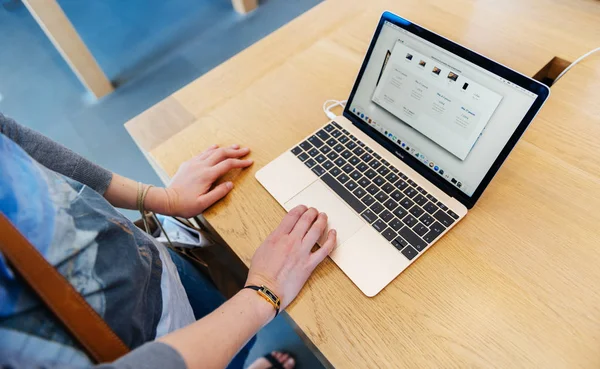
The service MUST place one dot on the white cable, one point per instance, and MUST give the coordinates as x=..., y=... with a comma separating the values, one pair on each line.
x=330, y=104
x=575, y=62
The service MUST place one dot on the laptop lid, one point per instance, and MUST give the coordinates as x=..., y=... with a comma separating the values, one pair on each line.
x=449, y=113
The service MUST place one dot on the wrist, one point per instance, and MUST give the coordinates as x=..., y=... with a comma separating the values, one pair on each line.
x=158, y=201
x=259, y=307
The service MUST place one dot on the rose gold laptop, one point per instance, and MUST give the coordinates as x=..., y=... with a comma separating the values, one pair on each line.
x=427, y=125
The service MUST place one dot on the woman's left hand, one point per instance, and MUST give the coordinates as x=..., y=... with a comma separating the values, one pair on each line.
x=189, y=192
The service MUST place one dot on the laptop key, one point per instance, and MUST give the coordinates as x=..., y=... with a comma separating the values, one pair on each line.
x=329, y=128
x=442, y=206
x=421, y=190
x=343, y=139
x=364, y=182
x=397, y=195
x=339, y=162
x=335, y=124
x=335, y=171
x=416, y=211
x=351, y=185
x=375, y=164
x=383, y=170
x=379, y=181
x=392, y=177
x=400, y=212
x=372, y=189
x=401, y=185
x=359, y=192
x=420, y=199
x=410, y=221
x=368, y=200
x=411, y=182
x=323, y=135
x=315, y=141
x=376, y=207
x=376, y=155
x=347, y=168
x=412, y=238
x=431, y=236
x=303, y=156
x=379, y=225
x=389, y=234
x=342, y=192
x=396, y=224
x=346, y=132
x=370, y=173
x=390, y=204
x=410, y=192
x=399, y=243
x=403, y=176
x=453, y=214
x=318, y=170
x=420, y=229
x=443, y=218
x=388, y=188
x=343, y=178
x=313, y=152
x=409, y=252
x=369, y=216
x=350, y=145
x=381, y=196
x=406, y=203
x=346, y=154
x=327, y=165
x=310, y=163
x=358, y=151
x=325, y=149
x=338, y=148
x=320, y=158
x=395, y=170
x=430, y=208
x=366, y=157
x=427, y=219
x=354, y=160
x=306, y=145
x=386, y=216
x=296, y=150
x=362, y=167
x=332, y=155
x=356, y=175
x=331, y=142
x=335, y=133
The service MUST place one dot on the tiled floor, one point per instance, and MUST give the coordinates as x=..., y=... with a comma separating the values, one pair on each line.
x=151, y=48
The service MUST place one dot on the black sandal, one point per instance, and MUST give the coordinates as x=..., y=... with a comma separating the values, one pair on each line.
x=275, y=363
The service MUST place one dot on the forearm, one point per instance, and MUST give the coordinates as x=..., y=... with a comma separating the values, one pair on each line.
x=214, y=340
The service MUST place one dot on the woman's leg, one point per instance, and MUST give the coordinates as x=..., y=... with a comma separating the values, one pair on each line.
x=204, y=298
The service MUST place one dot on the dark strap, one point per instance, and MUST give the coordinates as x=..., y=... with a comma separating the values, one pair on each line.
x=78, y=317
x=276, y=364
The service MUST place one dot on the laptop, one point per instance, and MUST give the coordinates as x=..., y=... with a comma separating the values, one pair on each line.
x=426, y=127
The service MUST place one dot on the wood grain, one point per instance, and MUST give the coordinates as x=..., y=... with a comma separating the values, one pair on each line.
x=53, y=21
x=514, y=285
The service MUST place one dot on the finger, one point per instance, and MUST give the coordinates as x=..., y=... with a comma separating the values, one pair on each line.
x=290, y=220
x=315, y=232
x=203, y=155
x=304, y=223
x=229, y=164
x=214, y=195
x=224, y=153
x=326, y=248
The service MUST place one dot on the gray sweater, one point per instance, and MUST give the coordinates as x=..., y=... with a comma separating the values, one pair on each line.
x=64, y=161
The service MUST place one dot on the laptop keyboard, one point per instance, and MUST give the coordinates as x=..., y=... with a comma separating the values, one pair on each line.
x=399, y=209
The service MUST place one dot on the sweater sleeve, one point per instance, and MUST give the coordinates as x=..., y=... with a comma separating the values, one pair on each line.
x=56, y=157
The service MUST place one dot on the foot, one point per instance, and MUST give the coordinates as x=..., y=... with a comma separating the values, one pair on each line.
x=286, y=360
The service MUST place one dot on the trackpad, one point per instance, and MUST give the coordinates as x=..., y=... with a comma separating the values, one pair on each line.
x=341, y=217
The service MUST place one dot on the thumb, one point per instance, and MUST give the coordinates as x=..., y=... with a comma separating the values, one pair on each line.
x=214, y=195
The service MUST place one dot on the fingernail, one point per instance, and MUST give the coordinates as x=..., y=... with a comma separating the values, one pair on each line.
x=236, y=146
x=229, y=185
x=333, y=232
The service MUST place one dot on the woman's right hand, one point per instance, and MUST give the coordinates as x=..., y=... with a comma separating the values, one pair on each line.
x=285, y=260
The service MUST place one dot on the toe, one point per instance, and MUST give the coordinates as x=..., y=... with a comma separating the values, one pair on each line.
x=289, y=363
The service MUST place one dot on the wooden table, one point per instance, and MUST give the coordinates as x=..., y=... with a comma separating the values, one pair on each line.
x=513, y=285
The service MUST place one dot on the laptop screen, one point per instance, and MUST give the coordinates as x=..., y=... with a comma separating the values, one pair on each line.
x=451, y=115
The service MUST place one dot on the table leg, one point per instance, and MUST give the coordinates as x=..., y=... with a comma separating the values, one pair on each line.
x=244, y=6
x=49, y=15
